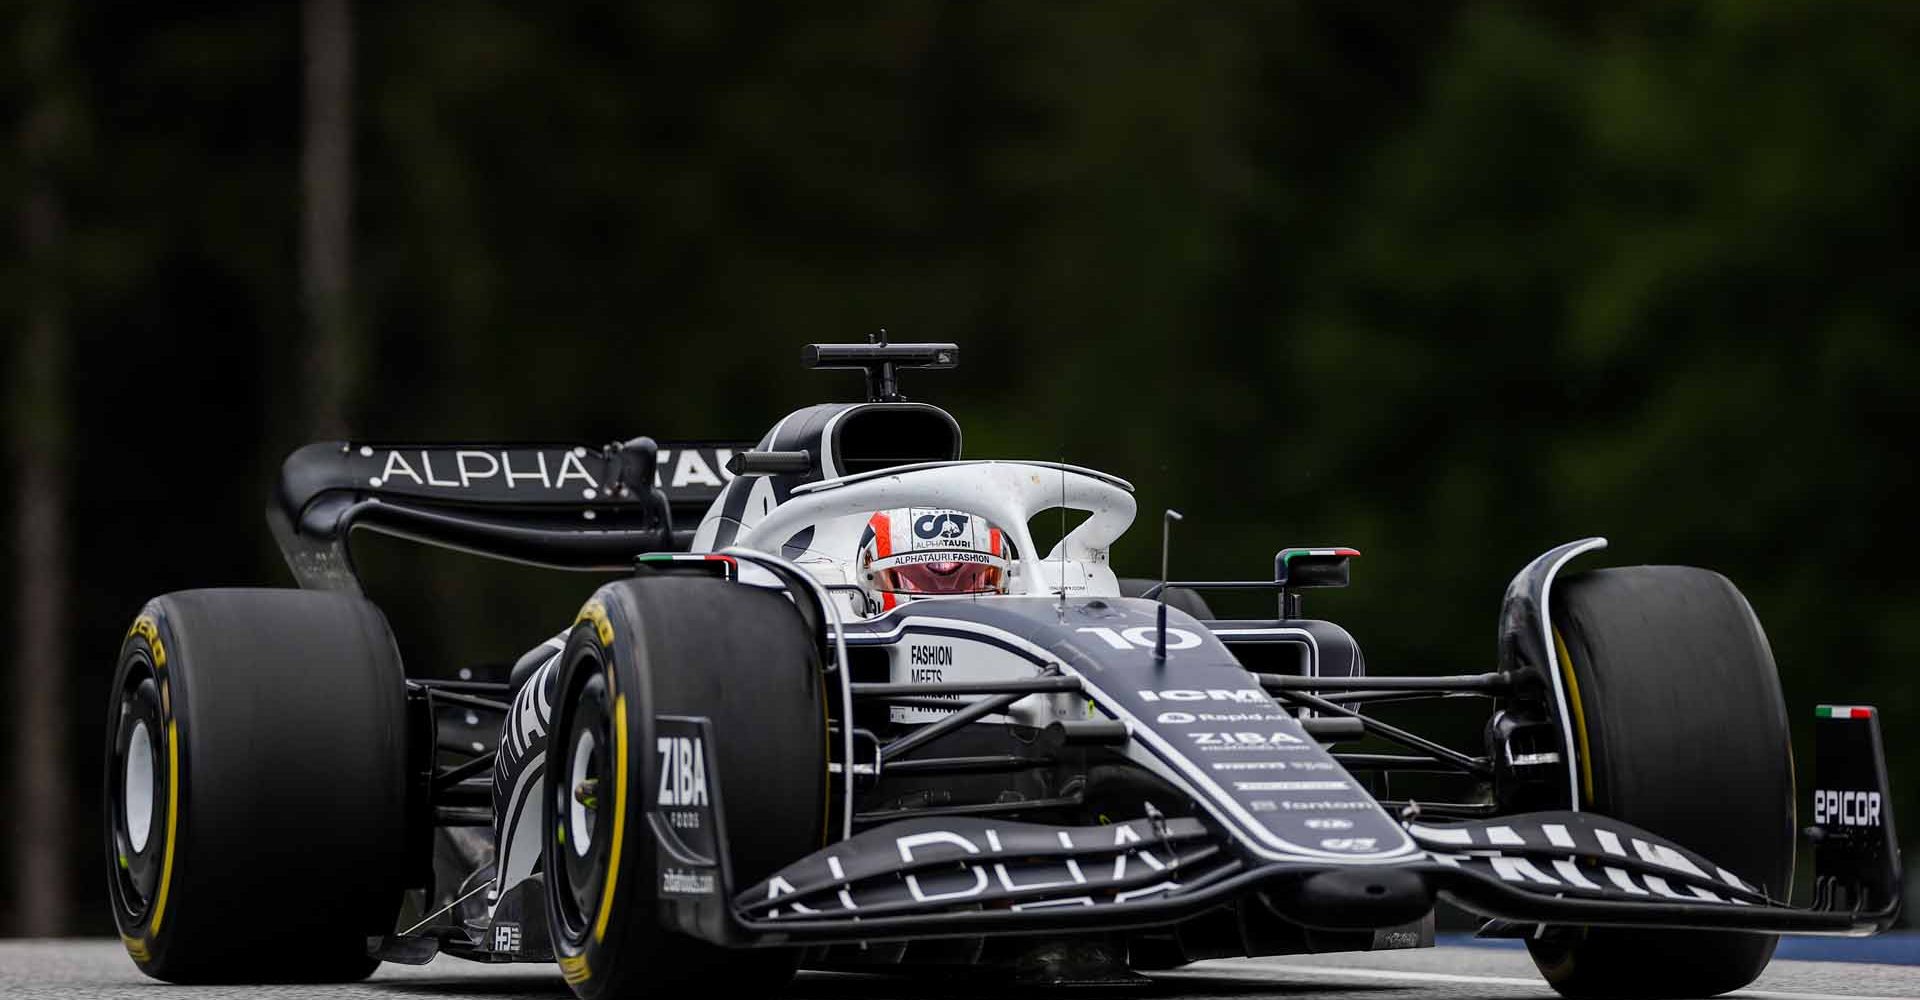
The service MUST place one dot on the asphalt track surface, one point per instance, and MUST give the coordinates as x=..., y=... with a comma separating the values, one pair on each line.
x=100, y=969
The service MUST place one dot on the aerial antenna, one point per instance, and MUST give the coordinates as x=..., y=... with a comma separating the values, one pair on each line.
x=1166, y=534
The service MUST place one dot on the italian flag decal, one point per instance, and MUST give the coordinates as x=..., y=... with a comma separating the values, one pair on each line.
x=1843, y=712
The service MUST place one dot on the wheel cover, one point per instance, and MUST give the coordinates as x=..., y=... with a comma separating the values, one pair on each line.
x=137, y=792
x=583, y=805
x=581, y=809
x=137, y=786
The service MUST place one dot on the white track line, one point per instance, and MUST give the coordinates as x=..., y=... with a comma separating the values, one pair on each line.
x=1393, y=975
x=1779, y=995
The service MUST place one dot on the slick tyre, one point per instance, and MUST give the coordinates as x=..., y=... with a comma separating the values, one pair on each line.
x=648, y=655
x=256, y=786
x=1184, y=598
x=1677, y=705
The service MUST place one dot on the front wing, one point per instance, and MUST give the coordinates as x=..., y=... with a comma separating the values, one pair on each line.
x=956, y=876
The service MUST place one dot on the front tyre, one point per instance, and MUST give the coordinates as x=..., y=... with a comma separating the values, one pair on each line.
x=690, y=647
x=255, y=786
x=1677, y=705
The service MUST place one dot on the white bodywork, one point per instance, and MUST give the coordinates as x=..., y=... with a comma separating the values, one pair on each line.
x=1009, y=494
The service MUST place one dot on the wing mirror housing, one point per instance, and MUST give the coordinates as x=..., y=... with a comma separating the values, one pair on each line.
x=1301, y=568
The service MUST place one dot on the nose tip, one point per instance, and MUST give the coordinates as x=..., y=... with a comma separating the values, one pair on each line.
x=1352, y=899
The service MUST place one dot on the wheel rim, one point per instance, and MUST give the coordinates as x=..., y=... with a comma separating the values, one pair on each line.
x=581, y=806
x=137, y=809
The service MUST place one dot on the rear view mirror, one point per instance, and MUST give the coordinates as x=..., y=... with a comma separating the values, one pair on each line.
x=1297, y=569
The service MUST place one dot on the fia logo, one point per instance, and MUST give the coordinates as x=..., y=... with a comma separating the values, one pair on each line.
x=945, y=524
x=683, y=770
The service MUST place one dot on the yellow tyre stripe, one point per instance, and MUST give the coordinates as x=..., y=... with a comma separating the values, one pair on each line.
x=596, y=612
x=173, y=820
x=619, y=815
x=1579, y=716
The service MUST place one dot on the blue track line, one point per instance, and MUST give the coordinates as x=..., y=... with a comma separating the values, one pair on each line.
x=1896, y=948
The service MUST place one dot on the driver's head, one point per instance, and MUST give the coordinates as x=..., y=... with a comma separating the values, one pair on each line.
x=910, y=552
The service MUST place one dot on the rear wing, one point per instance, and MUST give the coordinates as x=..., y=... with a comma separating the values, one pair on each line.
x=562, y=506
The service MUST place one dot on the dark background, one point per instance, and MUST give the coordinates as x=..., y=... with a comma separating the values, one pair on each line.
x=1449, y=282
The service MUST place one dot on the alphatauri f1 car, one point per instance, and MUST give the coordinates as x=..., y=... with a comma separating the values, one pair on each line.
x=855, y=719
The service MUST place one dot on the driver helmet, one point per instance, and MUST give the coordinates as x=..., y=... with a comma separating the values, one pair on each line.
x=911, y=552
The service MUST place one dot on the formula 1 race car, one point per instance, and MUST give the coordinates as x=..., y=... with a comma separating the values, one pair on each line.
x=855, y=719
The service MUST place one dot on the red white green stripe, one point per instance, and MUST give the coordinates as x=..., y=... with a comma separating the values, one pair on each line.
x=1287, y=555
x=1843, y=711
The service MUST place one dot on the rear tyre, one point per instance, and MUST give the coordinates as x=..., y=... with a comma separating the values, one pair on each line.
x=1673, y=685
x=255, y=786
x=1185, y=598
x=736, y=656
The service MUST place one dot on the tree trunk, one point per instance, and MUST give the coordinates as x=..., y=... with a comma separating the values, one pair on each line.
x=41, y=428
x=326, y=259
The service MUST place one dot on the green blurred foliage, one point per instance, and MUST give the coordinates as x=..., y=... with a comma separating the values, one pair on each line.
x=1449, y=282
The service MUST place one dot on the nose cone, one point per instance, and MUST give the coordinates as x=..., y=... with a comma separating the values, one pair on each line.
x=1345, y=899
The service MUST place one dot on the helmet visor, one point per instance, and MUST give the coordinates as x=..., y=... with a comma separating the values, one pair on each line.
x=942, y=578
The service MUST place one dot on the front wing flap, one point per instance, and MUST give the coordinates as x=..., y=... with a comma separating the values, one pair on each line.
x=931, y=864
x=1583, y=855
